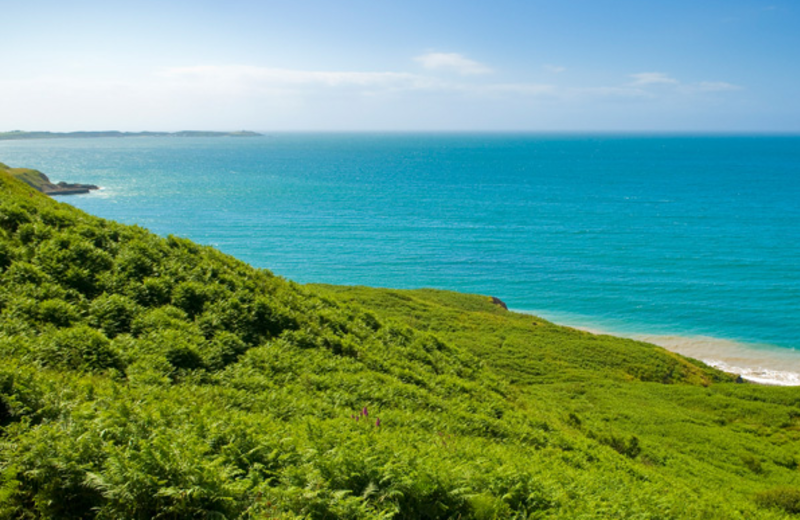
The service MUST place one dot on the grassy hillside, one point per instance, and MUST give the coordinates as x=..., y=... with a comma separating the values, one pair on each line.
x=40, y=182
x=33, y=178
x=146, y=377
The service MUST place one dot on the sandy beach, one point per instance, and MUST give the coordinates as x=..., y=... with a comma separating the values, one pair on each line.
x=762, y=364
x=756, y=363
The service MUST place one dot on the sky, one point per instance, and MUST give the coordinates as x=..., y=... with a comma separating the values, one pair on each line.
x=392, y=65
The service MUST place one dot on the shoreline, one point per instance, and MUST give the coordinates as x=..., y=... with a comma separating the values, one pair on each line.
x=760, y=364
x=757, y=364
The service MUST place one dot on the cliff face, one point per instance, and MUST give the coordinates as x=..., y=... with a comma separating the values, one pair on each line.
x=40, y=181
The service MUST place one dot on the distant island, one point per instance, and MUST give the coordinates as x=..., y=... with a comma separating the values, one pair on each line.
x=39, y=181
x=19, y=134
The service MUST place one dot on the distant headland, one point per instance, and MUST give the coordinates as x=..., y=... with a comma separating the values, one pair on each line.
x=37, y=180
x=20, y=134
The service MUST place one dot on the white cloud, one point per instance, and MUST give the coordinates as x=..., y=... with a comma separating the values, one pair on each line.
x=264, y=76
x=609, y=92
x=716, y=86
x=555, y=69
x=235, y=96
x=523, y=89
x=452, y=61
x=643, y=80
x=652, y=78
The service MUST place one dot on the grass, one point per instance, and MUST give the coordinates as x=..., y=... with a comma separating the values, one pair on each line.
x=151, y=377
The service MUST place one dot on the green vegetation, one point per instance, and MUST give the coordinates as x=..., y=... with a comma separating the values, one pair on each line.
x=19, y=134
x=33, y=178
x=147, y=377
x=39, y=181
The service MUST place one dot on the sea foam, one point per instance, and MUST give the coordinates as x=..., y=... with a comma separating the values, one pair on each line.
x=757, y=363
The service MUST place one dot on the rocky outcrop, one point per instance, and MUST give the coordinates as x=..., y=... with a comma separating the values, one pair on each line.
x=65, y=188
x=500, y=303
x=39, y=181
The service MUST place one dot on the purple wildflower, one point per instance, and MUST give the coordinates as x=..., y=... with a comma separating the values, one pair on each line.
x=378, y=422
x=364, y=412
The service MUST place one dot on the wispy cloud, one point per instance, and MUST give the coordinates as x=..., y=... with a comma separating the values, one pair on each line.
x=453, y=62
x=643, y=79
x=205, y=95
x=555, y=69
x=715, y=86
x=254, y=76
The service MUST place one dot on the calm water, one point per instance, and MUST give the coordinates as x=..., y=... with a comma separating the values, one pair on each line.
x=664, y=235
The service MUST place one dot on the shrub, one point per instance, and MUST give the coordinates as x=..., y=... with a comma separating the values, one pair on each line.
x=155, y=292
x=785, y=498
x=74, y=261
x=223, y=350
x=113, y=313
x=191, y=297
x=78, y=348
x=33, y=234
x=20, y=273
x=6, y=256
x=57, y=217
x=166, y=317
x=184, y=357
x=12, y=216
x=137, y=261
x=58, y=312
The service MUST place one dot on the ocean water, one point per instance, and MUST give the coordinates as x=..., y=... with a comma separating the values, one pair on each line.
x=688, y=241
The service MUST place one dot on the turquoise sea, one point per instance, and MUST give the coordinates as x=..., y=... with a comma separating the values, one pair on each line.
x=690, y=241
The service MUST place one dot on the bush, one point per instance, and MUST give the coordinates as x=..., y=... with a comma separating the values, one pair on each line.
x=78, y=348
x=190, y=297
x=161, y=318
x=20, y=273
x=154, y=292
x=785, y=498
x=33, y=234
x=113, y=313
x=12, y=216
x=74, y=261
x=58, y=312
x=223, y=350
x=6, y=256
x=137, y=261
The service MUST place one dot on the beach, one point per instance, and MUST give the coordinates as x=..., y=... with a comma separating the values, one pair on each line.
x=762, y=364
x=759, y=364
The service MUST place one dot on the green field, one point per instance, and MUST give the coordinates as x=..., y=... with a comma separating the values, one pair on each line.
x=147, y=377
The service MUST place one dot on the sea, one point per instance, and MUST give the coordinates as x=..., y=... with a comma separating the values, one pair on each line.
x=687, y=241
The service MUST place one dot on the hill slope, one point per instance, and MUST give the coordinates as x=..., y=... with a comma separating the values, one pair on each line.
x=39, y=181
x=148, y=377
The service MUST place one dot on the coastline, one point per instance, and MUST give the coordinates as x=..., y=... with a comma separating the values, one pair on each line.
x=755, y=363
x=760, y=364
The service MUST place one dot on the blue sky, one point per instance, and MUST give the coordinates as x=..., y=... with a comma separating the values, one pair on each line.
x=536, y=65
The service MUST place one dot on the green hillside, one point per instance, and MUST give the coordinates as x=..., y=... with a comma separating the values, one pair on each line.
x=40, y=182
x=146, y=377
x=33, y=178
